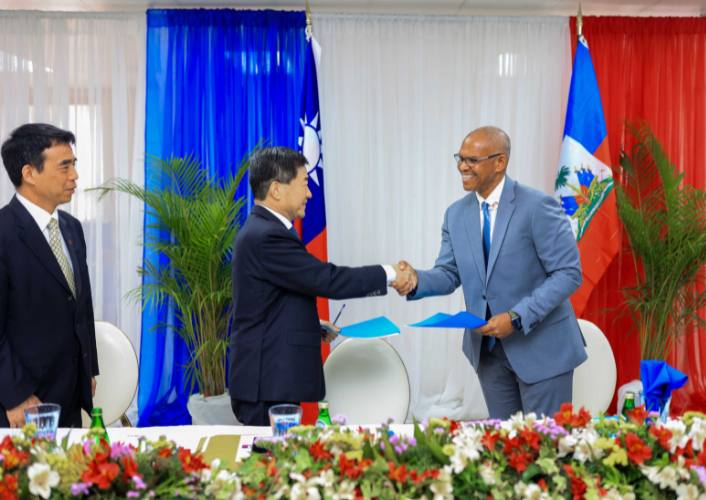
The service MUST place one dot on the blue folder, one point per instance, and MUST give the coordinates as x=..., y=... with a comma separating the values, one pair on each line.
x=370, y=329
x=464, y=319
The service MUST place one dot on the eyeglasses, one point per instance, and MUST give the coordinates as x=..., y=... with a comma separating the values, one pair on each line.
x=472, y=161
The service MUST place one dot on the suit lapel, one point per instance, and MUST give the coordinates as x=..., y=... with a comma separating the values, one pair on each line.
x=473, y=233
x=70, y=240
x=506, y=207
x=33, y=238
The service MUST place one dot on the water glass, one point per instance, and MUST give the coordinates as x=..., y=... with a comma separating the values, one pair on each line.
x=282, y=417
x=45, y=417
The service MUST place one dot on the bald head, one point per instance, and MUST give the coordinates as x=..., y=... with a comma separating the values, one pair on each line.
x=483, y=158
x=494, y=137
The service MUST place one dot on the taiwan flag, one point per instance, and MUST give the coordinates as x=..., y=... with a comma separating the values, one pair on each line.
x=584, y=183
x=312, y=227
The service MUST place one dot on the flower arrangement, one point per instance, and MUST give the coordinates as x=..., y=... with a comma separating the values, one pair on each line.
x=39, y=468
x=569, y=456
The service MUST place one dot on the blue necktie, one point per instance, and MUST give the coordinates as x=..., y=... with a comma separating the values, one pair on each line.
x=486, y=232
x=486, y=252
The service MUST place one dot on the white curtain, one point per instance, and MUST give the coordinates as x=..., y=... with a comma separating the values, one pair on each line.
x=398, y=94
x=85, y=73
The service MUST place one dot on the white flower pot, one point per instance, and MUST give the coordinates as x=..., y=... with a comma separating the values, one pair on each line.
x=212, y=410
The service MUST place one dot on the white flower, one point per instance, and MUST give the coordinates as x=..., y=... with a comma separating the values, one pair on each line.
x=688, y=492
x=517, y=422
x=467, y=447
x=697, y=433
x=667, y=477
x=613, y=494
x=225, y=481
x=442, y=488
x=679, y=437
x=303, y=489
x=345, y=491
x=530, y=492
x=487, y=473
x=42, y=479
x=325, y=479
x=566, y=445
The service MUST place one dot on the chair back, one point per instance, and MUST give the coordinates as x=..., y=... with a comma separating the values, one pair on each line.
x=117, y=383
x=366, y=382
x=595, y=378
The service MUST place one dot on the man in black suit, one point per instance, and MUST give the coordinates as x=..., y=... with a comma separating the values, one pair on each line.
x=47, y=334
x=276, y=343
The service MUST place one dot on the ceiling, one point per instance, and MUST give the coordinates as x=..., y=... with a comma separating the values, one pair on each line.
x=438, y=7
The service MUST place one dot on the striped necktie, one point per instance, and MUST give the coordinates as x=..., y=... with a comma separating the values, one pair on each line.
x=56, y=248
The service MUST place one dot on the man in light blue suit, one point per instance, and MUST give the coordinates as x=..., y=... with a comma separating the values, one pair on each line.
x=512, y=250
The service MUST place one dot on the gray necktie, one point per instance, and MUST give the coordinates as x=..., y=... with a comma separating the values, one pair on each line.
x=55, y=244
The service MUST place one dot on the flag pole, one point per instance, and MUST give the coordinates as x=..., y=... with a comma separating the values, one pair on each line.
x=308, y=21
x=579, y=21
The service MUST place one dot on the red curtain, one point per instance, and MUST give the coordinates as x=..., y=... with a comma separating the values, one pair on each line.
x=651, y=70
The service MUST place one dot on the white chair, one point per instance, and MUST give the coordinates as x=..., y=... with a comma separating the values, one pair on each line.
x=117, y=383
x=366, y=381
x=595, y=378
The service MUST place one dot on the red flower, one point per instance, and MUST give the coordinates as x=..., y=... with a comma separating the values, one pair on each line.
x=165, y=452
x=189, y=462
x=638, y=415
x=531, y=438
x=352, y=469
x=578, y=488
x=129, y=468
x=543, y=484
x=566, y=417
x=100, y=473
x=12, y=457
x=398, y=474
x=701, y=457
x=489, y=439
x=453, y=426
x=663, y=436
x=519, y=460
x=319, y=452
x=271, y=468
x=8, y=487
x=638, y=451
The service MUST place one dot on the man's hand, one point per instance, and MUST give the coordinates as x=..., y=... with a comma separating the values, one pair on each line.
x=16, y=416
x=329, y=331
x=406, y=278
x=93, y=386
x=499, y=326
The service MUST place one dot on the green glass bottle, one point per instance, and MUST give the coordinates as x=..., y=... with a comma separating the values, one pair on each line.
x=98, y=430
x=324, y=419
x=629, y=404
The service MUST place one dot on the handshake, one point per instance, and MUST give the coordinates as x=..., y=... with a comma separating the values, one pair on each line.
x=406, y=281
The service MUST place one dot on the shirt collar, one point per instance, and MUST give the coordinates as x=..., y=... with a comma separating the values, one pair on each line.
x=282, y=218
x=40, y=216
x=493, y=198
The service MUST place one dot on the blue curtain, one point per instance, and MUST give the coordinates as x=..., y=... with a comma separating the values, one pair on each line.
x=218, y=83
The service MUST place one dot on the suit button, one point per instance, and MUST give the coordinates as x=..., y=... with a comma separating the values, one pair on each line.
x=70, y=298
x=484, y=298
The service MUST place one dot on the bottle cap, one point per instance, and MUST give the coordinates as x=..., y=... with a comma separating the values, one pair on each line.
x=96, y=412
x=323, y=405
x=629, y=394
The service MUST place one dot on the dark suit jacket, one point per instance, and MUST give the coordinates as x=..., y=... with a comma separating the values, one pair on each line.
x=47, y=336
x=276, y=341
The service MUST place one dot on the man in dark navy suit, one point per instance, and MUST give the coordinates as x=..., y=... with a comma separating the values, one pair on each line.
x=276, y=342
x=47, y=334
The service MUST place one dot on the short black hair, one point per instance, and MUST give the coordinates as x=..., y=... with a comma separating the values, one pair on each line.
x=273, y=164
x=26, y=146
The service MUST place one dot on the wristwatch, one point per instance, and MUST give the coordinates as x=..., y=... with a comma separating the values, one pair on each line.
x=516, y=320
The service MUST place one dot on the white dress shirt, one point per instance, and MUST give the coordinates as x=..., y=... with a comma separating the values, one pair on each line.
x=389, y=270
x=493, y=201
x=42, y=218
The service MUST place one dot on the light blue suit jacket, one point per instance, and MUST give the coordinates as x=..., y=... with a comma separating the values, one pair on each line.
x=533, y=268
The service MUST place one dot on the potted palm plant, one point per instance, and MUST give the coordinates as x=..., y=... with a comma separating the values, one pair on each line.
x=200, y=215
x=665, y=221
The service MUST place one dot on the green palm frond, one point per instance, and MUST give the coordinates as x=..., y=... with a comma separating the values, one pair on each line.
x=665, y=221
x=196, y=219
x=562, y=178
